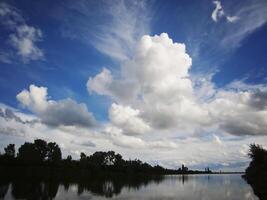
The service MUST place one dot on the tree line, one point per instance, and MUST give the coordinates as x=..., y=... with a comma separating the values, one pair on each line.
x=48, y=155
x=36, y=152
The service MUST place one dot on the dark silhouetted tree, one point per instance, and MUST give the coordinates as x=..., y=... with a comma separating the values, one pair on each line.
x=10, y=150
x=82, y=156
x=28, y=153
x=118, y=160
x=97, y=158
x=54, y=152
x=42, y=148
x=256, y=173
x=257, y=153
x=109, y=158
x=69, y=158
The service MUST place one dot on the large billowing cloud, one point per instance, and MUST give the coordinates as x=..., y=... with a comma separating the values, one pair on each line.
x=240, y=113
x=128, y=119
x=64, y=112
x=155, y=91
x=157, y=83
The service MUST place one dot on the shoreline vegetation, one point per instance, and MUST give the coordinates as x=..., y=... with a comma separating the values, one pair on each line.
x=41, y=159
x=256, y=173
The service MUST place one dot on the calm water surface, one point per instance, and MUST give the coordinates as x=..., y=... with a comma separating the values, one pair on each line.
x=199, y=187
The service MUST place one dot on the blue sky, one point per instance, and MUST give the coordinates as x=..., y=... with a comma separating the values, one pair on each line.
x=182, y=78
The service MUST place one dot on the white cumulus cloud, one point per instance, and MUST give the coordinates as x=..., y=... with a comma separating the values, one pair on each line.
x=66, y=112
x=240, y=112
x=160, y=85
x=163, y=96
x=118, y=138
x=128, y=119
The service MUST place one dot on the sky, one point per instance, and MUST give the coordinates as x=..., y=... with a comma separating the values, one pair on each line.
x=167, y=82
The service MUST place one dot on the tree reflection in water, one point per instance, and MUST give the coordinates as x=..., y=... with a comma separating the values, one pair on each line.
x=187, y=187
x=3, y=188
x=102, y=186
x=22, y=189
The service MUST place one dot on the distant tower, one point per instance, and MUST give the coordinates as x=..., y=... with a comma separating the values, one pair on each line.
x=184, y=169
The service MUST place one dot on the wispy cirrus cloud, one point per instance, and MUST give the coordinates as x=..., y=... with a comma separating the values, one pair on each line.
x=226, y=24
x=129, y=21
x=219, y=13
x=245, y=17
x=120, y=25
x=252, y=15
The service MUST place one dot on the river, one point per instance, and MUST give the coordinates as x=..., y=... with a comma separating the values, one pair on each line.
x=188, y=187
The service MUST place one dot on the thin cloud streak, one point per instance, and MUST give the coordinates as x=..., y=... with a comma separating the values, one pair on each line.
x=115, y=36
x=252, y=15
x=219, y=13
